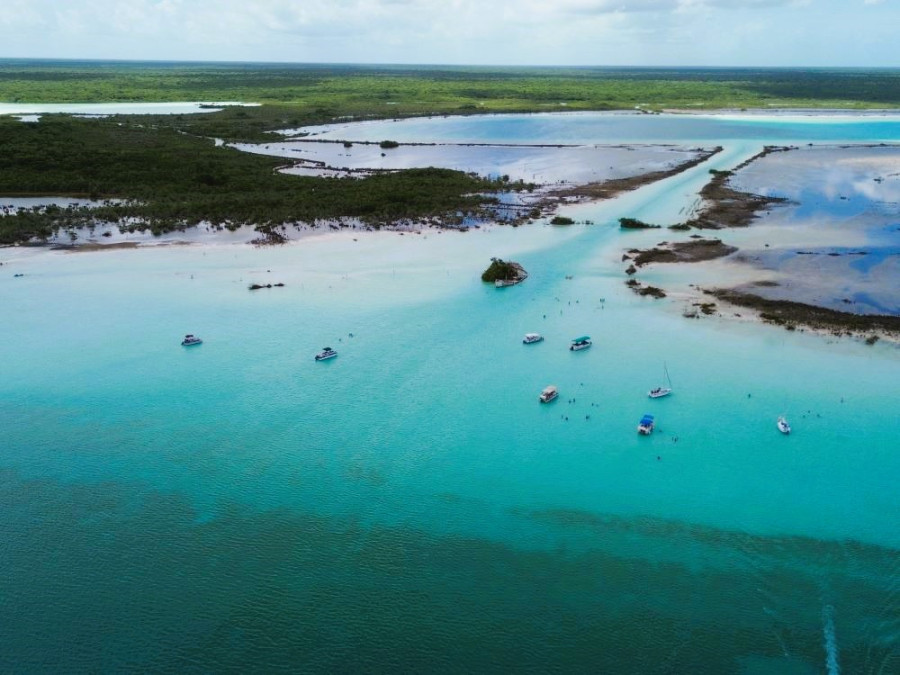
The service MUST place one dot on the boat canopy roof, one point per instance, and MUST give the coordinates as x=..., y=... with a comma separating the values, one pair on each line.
x=583, y=338
x=549, y=388
x=532, y=334
x=647, y=419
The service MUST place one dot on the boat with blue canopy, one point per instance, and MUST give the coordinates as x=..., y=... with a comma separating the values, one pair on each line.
x=645, y=427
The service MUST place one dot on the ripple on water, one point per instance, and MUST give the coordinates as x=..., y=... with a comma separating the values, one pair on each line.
x=109, y=577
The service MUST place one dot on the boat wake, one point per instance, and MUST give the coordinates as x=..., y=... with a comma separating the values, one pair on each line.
x=831, y=650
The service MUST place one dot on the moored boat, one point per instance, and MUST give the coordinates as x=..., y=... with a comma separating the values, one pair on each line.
x=550, y=392
x=326, y=353
x=659, y=392
x=531, y=338
x=580, y=343
x=645, y=426
x=191, y=340
x=783, y=425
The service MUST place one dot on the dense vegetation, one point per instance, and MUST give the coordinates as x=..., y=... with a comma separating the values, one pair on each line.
x=501, y=270
x=297, y=94
x=635, y=224
x=169, y=181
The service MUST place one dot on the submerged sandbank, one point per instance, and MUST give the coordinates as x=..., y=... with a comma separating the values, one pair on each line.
x=831, y=254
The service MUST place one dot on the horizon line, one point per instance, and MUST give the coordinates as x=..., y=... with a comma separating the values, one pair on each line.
x=387, y=64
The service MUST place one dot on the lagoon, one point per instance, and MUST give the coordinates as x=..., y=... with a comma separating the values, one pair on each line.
x=622, y=127
x=31, y=110
x=410, y=505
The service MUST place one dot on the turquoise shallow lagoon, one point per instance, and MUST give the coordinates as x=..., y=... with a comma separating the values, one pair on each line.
x=410, y=506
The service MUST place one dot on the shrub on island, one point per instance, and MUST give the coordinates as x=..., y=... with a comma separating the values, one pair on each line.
x=562, y=220
x=635, y=224
x=389, y=145
x=502, y=270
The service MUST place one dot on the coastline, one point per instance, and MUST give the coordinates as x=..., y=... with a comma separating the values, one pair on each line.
x=513, y=208
x=726, y=208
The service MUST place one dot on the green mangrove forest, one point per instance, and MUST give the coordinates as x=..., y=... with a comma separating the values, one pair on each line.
x=164, y=172
x=154, y=177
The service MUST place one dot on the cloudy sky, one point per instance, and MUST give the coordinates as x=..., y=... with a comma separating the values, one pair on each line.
x=540, y=32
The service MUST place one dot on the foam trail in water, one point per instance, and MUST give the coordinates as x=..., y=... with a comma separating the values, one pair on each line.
x=831, y=650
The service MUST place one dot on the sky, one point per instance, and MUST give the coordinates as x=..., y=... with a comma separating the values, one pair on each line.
x=824, y=33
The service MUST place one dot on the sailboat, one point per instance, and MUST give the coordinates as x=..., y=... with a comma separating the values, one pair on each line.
x=659, y=392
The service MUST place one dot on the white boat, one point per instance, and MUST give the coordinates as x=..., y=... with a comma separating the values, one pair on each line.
x=326, y=353
x=659, y=392
x=783, y=425
x=548, y=394
x=532, y=338
x=645, y=426
x=580, y=343
x=191, y=340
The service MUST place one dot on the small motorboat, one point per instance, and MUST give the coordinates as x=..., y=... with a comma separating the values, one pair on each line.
x=191, y=340
x=645, y=427
x=326, y=353
x=549, y=394
x=783, y=425
x=580, y=343
x=531, y=338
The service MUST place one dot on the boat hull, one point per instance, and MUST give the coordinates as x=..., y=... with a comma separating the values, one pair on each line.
x=659, y=393
x=578, y=348
x=325, y=357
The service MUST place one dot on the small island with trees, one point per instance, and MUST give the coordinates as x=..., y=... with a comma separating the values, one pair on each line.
x=635, y=224
x=504, y=273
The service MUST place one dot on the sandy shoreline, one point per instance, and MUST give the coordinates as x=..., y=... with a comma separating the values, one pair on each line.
x=726, y=207
x=564, y=179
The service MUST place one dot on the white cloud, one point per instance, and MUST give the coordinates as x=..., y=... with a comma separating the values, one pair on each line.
x=675, y=32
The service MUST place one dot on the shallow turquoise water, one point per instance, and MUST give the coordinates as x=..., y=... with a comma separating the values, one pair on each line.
x=594, y=127
x=409, y=505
